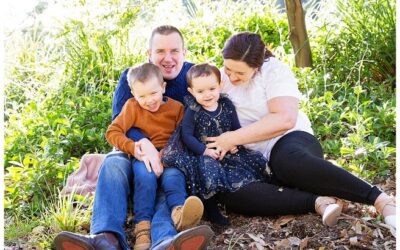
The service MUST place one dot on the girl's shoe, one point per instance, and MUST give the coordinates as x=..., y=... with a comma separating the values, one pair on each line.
x=380, y=205
x=328, y=208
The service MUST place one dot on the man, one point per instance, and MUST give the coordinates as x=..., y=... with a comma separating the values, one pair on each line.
x=167, y=51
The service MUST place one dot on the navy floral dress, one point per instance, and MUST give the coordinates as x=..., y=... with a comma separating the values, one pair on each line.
x=205, y=176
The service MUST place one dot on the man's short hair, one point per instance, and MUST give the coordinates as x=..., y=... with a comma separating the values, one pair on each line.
x=144, y=72
x=165, y=30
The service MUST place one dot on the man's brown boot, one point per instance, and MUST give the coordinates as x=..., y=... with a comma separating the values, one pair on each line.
x=142, y=234
x=188, y=215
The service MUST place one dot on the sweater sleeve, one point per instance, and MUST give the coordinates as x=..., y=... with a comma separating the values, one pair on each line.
x=187, y=133
x=116, y=132
x=121, y=95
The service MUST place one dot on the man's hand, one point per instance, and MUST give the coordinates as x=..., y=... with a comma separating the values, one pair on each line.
x=146, y=152
x=212, y=153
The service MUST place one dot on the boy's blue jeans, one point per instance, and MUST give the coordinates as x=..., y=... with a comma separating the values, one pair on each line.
x=146, y=183
x=115, y=186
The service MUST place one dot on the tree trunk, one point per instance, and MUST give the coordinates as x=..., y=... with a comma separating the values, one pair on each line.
x=298, y=33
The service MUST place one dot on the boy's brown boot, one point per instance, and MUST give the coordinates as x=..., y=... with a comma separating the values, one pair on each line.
x=142, y=234
x=188, y=215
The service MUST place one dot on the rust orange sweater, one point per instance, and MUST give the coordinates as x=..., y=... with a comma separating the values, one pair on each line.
x=157, y=126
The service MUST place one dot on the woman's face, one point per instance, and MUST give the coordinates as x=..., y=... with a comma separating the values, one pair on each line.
x=238, y=72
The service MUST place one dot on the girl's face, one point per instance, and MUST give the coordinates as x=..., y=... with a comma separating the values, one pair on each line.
x=206, y=90
x=149, y=94
x=238, y=72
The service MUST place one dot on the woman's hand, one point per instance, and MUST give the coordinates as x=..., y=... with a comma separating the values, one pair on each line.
x=234, y=150
x=146, y=152
x=222, y=143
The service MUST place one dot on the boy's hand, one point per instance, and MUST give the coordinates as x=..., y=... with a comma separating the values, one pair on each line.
x=146, y=152
x=212, y=153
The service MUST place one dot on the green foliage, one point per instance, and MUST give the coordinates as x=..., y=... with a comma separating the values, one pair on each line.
x=359, y=37
x=59, y=86
x=265, y=20
x=56, y=113
x=69, y=213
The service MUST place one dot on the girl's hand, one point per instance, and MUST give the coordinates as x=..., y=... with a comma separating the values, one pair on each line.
x=212, y=153
x=222, y=143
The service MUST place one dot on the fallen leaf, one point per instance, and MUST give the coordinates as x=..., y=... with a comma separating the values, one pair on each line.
x=303, y=243
x=289, y=242
x=256, y=246
x=282, y=244
x=228, y=231
x=353, y=241
x=257, y=238
x=344, y=233
x=357, y=228
x=283, y=220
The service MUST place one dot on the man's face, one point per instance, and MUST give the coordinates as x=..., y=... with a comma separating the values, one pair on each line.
x=168, y=54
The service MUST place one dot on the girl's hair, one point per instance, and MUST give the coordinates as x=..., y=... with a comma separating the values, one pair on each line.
x=144, y=72
x=246, y=47
x=203, y=69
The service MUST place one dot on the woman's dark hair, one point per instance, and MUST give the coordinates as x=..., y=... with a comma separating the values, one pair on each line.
x=246, y=47
x=200, y=70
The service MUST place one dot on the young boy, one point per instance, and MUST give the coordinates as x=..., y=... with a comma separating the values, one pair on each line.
x=157, y=117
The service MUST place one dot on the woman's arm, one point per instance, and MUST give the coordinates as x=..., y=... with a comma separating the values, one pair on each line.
x=282, y=116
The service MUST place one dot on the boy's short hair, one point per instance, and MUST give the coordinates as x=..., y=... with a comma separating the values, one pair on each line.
x=144, y=72
x=203, y=69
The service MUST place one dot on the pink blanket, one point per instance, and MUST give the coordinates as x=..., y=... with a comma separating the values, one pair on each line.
x=83, y=181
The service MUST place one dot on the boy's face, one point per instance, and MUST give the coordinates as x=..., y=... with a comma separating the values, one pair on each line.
x=168, y=54
x=149, y=94
x=206, y=90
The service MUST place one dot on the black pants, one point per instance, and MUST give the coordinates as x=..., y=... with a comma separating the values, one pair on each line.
x=298, y=166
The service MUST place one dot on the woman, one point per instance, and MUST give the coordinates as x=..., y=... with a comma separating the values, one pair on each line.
x=266, y=97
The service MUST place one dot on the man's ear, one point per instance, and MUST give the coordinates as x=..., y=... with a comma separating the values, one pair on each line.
x=149, y=54
x=163, y=87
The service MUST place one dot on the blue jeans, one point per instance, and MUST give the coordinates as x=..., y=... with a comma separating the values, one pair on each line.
x=146, y=184
x=114, y=187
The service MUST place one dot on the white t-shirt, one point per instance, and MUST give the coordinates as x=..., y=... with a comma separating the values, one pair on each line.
x=250, y=99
